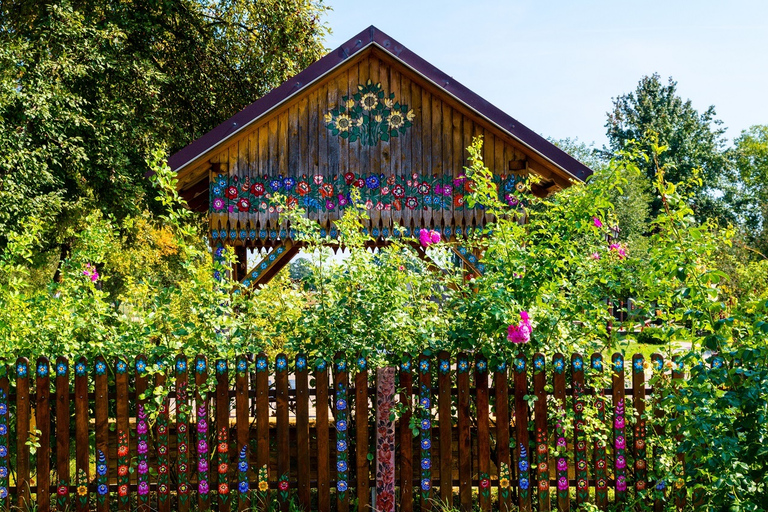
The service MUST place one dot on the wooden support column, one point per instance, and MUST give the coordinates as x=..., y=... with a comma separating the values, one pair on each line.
x=385, y=440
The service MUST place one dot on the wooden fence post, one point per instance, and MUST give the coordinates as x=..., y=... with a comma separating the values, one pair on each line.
x=657, y=362
x=425, y=425
x=22, y=433
x=203, y=437
x=4, y=434
x=385, y=440
x=43, y=425
x=579, y=443
x=323, y=434
x=362, y=466
x=243, y=434
x=619, y=437
x=82, y=448
x=521, y=433
x=341, y=410
x=163, y=445
x=465, y=435
x=283, y=430
x=599, y=446
x=123, y=435
x=406, y=436
x=142, y=435
x=62, y=433
x=638, y=403
x=183, y=444
x=561, y=461
x=262, y=427
x=222, y=434
x=302, y=431
x=446, y=427
x=501, y=384
x=483, y=432
x=542, y=436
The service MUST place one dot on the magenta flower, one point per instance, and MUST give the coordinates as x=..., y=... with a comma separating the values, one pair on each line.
x=595, y=256
x=561, y=441
x=143, y=467
x=90, y=272
x=202, y=465
x=621, y=484
x=141, y=428
x=202, y=487
x=621, y=462
x=598, y=223
x=143, y=488
x=562, y=483
x=619, y=249
x=427, y=238
x=520, y=333
x=142, y=448
x=218, y=204
x=619, y=423
x=562, y=465
x=620, y=443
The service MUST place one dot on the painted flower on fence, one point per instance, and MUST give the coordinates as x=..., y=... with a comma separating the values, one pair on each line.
x=520, y=333
x=369, y=116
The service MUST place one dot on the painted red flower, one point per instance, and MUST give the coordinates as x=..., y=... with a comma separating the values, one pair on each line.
x=458, y=201
x=223, y=447
x=257, y=189
x=411, y=203
x=123, y=490
x=283, y=485
x=223, y=488
x=292, y=202
x=484, y=483
x=232, y=192
x=359, y=183
x=63, y=490
x=243, y=204
x=302, y=188
x=326, y=190
x=398, y=191
x=122, y=470
x=223, y=469
x=349, y=178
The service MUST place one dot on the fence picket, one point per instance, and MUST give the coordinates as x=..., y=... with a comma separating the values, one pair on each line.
x=4, y=435
x=302, y=432
x=242, y=422
x=323, y=434
x=283, y=443
x=501, y=385
x=619, y=437
x=62, y=433
x=362, y=465
x=341, y=410
x=101, y=413
x=222, y=435
x=521, y=433
x=163, y=448
x=142, y=436
x=445, y=423
x=425, y=434
x=561, y=460
x=43, y=425
x=542, y=437
x=82, y=448
x=406, y=436
x=183, y=488
x=579, y=443
x=202, y=413
x=680, y=492
x=638, y=403
x=123, y=435
x=657, y=364
x=262, y=427
x=465, y=435
x=599, y=446
x=22, y=432
x=483, y=432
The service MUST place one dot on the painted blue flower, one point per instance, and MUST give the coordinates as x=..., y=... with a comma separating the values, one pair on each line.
x=426, y=424
x=523, y=465
x=242, y=365
x=3, y=472
x=3, y=493
x=559, y=365
x=101, y=469
x=221, y=366
x=222, y=181
x=21, y=370
x=141, y=365
x=341, y=404
x=3, y=429
x=524, y=483
x=597, y=364
x=424, y=365
x=121, y=367
x=426, y=444
x=281, y=363
x=242, y=466
x=463, y=365
x=502, y=366
x=200, y=365
x=301, y=362
x=3, y=409
x=372, y=182
x=275, y=184
x=444, y=366
x=362, y=363
x=341, y=486
x=341, y=445
x=101, y=368
x=61, y=369
x=426, y=484
x=538, y=363
x=216, y=191
x=341, y=466
x=661, y=485
x=717, y=363
x=577, y=364
x=243, y=487
x=658, y=365
x=481, y=365
x=321, y=365
x=679, y=366
x=341, y=425
x=519, y=364
x=181, y=365
x=80, y=369
x=102, y=489
x=424, y=402
x=42, y=369
x=618, y=365
x=638, y=365
x=427, y=200
x=261, y=364
x=3, y=451
x=289, y=183
x=405, y=366
x=341, y=366
x=426, y=463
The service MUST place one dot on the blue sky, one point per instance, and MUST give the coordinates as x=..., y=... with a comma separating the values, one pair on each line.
x=555, y=65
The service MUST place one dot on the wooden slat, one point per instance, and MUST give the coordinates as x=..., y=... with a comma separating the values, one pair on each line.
x=406, y=436
x=638, y=446
x=163, y=448
x=302, y=431
x=62, y=433
x=283, y=428
x=579, y=440
x=242, y=422
x=540, y=423
x=122, y=424
x=22, y=432
x=82, y=449
x=483, y=432
x=5, y=496
x=262, y=427
x=444, y=417
x=657, y=364
x=361, y=434
x=521, y=433
x=465, y=439
x=619, y=436
x=600, y=459
x=203, y=445
x=222, y=434
x=501, y=384
x=341, y=412
x=43, y=425
x=679, y=491
x=323, y=443
x=183, y=445
x=561, y=456
x=142, y=435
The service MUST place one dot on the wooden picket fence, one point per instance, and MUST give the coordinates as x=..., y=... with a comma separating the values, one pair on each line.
x=198, y=452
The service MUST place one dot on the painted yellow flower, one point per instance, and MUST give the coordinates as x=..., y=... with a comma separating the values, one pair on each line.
x=350, y=103
x=343, y=123
x=82, y=490
x=410, y=115
x=679, y=483
x=396, y=120
x=389, y=102
x=504, y=483
x=360, y=122
x=263, y=486
x=328, y=117
x=369, y=101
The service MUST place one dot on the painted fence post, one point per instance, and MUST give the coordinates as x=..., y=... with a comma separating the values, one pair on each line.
x=385, y=440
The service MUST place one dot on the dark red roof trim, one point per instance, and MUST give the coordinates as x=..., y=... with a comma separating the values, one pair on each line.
x=364, y=39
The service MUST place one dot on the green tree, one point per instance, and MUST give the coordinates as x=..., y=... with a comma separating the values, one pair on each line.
x=89, y=87
x=695, y=142
x=749, y=192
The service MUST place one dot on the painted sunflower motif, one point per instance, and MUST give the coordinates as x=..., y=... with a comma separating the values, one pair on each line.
x=369, y=101
x=343, y=123
x=395, y=120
